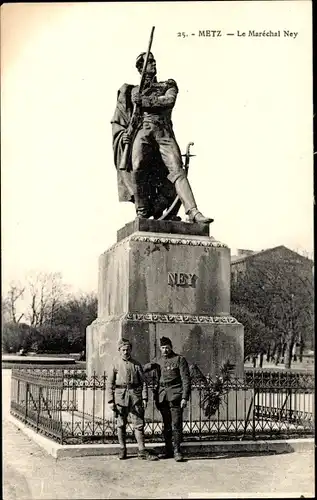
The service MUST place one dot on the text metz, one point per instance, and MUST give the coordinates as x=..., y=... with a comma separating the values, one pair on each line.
x=212, y=33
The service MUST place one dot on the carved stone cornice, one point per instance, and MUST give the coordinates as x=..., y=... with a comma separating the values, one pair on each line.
x=178, y=241
x=181, y=318
x=169, y=240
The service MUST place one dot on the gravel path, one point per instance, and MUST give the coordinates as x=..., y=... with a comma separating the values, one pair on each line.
x=29, y=473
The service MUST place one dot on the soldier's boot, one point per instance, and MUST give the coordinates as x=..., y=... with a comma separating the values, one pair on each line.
x=168, y=452
x=143, y=454
x=177, y=439
x=122, y=443
x=141, y=195
x=185, y=193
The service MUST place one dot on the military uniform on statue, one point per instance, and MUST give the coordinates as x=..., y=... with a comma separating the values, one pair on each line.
x=154, y=173
x=171, y=395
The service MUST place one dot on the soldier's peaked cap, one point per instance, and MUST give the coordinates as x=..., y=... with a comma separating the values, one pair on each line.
x=122, y=342
x=165, y=341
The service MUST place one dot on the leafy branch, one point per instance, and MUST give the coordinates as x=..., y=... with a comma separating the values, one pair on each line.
x=213, y=391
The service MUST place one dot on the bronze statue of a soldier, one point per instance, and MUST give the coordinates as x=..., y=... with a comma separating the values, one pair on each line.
x=154, y=174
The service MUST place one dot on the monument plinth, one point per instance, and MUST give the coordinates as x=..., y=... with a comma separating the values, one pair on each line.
x=165, y=278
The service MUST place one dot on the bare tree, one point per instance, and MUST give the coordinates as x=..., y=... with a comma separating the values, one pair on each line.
x=257, y=337
x=5, y=310
x=65, y=331
x=10, y=303
x=46, y=292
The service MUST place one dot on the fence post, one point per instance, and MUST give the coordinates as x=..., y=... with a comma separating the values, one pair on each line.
x=60, y=410
x=13, y=391
x=253, y=415
x=18, y=392
x=290, y=404
x=26, y=400
x=38, y=409
x=94, y=388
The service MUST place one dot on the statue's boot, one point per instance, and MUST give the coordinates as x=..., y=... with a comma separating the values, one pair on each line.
x=122, y=443
x=194, y=215
x=185, y=193
x=141, y=194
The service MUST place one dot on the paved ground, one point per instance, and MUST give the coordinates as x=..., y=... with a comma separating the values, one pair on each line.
x=31, y=474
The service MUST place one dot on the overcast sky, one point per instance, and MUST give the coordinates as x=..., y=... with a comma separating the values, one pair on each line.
x=245, y=102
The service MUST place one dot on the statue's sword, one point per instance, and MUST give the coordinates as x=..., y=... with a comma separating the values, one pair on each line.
x=187, y=156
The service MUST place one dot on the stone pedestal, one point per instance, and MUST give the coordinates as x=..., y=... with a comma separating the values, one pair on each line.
x=165, y=278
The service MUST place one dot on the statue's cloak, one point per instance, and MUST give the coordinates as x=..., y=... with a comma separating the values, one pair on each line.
x=161, y=190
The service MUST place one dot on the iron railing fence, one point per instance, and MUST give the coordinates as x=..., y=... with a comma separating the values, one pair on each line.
x=70, y=407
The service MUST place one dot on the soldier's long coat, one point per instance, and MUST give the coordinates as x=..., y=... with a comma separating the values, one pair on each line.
x=162, y=190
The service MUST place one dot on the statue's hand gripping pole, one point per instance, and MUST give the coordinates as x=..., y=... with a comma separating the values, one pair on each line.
x=133, y=122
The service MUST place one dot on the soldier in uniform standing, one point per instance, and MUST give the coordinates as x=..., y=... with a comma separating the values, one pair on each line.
x=171, y=395
x=127, y=393
x=154, y=136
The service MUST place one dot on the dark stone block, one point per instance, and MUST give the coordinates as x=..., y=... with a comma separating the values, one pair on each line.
x=163, y=226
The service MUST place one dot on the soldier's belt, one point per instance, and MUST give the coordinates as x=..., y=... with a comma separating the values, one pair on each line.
x=128, y=386
x=169, y=384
